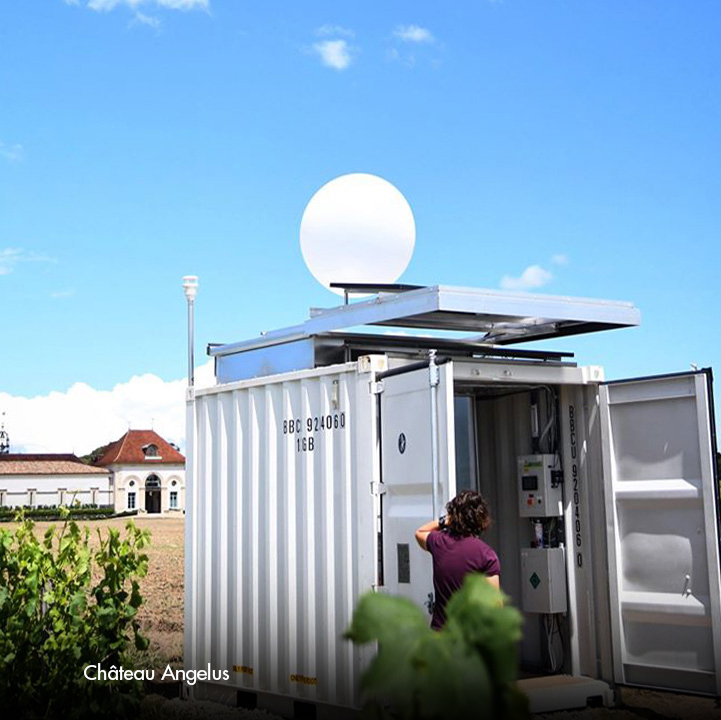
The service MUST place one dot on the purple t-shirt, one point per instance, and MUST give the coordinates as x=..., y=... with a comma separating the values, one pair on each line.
x=453, y=559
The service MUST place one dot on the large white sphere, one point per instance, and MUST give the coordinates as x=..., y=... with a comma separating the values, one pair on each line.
x=357, y=228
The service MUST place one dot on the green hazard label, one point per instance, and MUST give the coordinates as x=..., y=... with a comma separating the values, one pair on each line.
x=535, y=580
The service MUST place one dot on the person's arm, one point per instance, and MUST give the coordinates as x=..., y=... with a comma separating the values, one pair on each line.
x=493, y=570
x=424, y=531
x=495, y=581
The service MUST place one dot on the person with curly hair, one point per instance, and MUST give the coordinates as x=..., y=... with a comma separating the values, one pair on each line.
x=456, y=547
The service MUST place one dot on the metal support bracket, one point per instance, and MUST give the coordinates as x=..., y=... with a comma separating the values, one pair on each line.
x=376, y=387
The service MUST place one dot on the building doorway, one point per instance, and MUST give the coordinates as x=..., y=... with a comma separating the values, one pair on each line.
x=152, y=494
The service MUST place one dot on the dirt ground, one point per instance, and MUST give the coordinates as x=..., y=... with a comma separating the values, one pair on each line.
x=161, y=618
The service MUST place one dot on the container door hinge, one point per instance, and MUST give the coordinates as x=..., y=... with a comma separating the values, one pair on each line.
x=377, y=488
x=376, y=387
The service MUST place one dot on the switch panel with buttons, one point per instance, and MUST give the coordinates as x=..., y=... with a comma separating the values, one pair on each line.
x=539, y=495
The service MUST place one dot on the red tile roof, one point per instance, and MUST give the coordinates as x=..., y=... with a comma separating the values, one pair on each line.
x=128, y=450
x=46, y=464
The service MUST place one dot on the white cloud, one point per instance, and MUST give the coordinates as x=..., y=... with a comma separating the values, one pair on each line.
x=533, y=276
x=560, y=259
x=84, y=418
x=407, y=49
x=10, y=257
x=336, y=30
x=142, y=19
x=335, y=54
x=107, y=5
x=414, y=34
x=70, y=292
x=13, y=153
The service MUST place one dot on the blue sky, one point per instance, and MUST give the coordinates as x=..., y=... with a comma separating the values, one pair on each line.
x=142, y=141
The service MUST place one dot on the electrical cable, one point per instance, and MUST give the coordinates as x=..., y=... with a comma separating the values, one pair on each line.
x=548, y=626
x=552, y=627
x=563, y=648
x=546, y=429
x=551, y=424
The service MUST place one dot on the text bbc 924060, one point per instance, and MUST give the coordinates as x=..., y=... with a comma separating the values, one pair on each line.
x=304, y=430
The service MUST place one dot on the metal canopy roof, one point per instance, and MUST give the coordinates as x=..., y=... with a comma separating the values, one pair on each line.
x=499, y=318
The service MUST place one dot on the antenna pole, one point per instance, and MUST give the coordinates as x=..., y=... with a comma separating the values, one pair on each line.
x=191, y=343
x=190, y=287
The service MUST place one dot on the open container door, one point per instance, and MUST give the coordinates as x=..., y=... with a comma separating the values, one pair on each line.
x=418, y=471
x=662, y=522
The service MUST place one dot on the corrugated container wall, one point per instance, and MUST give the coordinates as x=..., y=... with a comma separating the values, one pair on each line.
x=280, y=536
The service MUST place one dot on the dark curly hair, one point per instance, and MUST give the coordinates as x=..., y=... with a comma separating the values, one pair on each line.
x=468, y=514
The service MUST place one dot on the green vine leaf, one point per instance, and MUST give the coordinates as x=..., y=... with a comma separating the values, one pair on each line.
x=467, y=670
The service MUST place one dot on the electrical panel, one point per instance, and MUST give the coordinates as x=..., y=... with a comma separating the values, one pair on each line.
x=540, y=491
x=543, y=580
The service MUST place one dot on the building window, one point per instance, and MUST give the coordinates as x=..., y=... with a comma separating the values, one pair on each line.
x=174, y=499
x=152, y=481
x=151, y=451
x=132, y=483
x=131, y=501
x=174, y=483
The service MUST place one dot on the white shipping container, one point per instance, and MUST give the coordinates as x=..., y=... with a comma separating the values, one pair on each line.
x=281, y=530
x=305, y=486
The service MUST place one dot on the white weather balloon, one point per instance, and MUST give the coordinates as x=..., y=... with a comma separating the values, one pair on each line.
x=357, y=228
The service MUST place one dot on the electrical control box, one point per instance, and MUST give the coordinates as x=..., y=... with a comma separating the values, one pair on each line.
x=543, y=580
x=539, y=495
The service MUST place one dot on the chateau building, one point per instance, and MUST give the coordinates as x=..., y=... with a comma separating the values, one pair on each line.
x=140, y=471
x=148, y=473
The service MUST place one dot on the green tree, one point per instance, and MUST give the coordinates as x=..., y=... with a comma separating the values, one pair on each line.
x=94, y=455
x=64, y=606
x=468, y=669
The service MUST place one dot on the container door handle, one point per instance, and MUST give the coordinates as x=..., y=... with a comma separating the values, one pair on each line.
x=687, y=586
